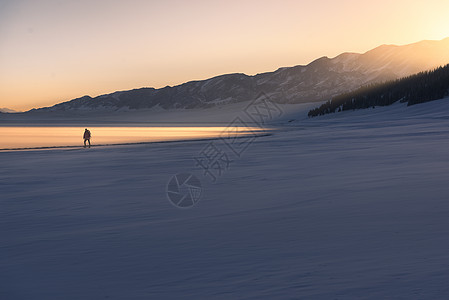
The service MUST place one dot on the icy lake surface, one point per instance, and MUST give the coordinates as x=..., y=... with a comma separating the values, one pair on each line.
x=352, y=205
x=23, y=137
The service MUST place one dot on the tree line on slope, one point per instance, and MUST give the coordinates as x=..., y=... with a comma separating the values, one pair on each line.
x=419, y=88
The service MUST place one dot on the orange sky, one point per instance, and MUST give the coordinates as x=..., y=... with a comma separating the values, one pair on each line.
x=52, y=51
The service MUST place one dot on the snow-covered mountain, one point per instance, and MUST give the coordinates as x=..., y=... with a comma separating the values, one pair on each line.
x=317, y=81
x=7, y=110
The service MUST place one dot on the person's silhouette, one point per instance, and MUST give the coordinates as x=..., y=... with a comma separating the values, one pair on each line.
x=86, y=137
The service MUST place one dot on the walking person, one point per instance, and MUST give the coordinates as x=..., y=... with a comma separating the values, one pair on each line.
x=86, y=137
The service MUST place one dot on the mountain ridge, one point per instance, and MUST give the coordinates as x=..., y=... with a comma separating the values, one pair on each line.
x=7, y=110
x=423, y=87
x=317, y=81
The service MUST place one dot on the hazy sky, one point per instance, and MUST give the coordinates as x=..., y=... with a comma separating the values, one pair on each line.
x=52, y=51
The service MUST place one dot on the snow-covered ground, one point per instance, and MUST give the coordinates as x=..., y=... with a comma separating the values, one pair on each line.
x=353, y=205
x=218, y=115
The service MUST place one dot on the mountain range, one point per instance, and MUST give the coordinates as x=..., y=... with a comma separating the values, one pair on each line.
x=318, y=81
x=7, y=110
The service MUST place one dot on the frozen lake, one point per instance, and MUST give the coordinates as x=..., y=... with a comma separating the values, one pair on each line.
x=352, y=205
x=24, y=137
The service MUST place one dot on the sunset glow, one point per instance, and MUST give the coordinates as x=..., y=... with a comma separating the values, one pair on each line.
x=55, y=137
x=53, y=51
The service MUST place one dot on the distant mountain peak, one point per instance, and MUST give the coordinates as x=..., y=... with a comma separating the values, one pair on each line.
x=7, y=110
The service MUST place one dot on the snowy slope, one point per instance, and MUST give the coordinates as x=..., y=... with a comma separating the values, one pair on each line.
x=317, y=81
x=216, y=115
x=347, y=206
